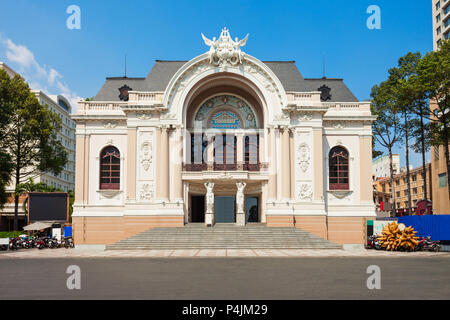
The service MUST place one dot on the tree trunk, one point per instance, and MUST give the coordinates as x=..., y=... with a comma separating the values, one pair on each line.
x=424, y=168
x=391, y=168
x=16, y=201
x=447, y=156
x=407, y=164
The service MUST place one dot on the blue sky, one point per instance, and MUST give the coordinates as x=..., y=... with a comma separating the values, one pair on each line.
x=35, y=41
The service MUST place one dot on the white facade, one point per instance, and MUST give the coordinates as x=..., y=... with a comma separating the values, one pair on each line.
x=381, y=166
x=152, y=130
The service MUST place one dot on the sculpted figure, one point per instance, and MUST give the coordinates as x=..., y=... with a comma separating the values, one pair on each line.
x=224, y=50
x=240, y=196
x=209, y=197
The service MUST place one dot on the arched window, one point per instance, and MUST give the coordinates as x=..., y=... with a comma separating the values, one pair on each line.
x=110, y=168
x=339, y=169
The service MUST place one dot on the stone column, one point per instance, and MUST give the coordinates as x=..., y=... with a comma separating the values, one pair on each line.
x=176, y=154
x=164, y=158
x=210, y=150
x=272, y=165
x=209, y=204
x=318, y=164
x=262, y=147
x=240, y=150
x=292, y=158
x=240, y=203
x=365, y=152
x=131, y=163
x=285, y=164
x=82, y=169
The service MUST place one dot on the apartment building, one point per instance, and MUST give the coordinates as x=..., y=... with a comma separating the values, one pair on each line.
x=383, y=191
x=441, y=21
x=441, y=31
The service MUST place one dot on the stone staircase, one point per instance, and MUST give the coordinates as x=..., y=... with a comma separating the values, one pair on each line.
x=223, y=236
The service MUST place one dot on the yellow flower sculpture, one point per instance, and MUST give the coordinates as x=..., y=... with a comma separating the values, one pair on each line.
x=397, y=237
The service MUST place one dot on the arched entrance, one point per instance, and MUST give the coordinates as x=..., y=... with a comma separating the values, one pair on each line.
x=225, y=146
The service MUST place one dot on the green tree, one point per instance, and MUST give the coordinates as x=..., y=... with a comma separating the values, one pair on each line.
x=30, y=138
x=432, y=82
x=406, y=102
x=387, y=129
x=5, y=118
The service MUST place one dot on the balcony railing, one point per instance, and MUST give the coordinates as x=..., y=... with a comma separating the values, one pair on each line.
x=197, y=167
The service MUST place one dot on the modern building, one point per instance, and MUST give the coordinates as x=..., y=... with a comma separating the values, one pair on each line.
x=223, y=138
x=383, y=190
x=66, y=179
x=441, y=21
x=441, y=31
x=381, y=165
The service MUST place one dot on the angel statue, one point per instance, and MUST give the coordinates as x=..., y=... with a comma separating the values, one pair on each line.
x=238, y=44
x=212, y=44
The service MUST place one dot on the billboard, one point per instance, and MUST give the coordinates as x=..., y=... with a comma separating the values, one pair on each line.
x=48, y=206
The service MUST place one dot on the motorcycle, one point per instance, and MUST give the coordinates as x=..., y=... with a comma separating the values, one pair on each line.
x=15, y=243
x=54, y=243
x=426, y=244
x=68, y=243
x=372, y=242
x=40, y=244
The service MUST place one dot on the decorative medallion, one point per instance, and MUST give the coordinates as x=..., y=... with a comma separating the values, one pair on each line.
x=110, y=125
x=305, y=192
x=124, y=92
x=305, y=117
x=325, y=93
x=144, y=116
x=146, y=192
x=303, y=156
x=224, y=51
x=146, y=157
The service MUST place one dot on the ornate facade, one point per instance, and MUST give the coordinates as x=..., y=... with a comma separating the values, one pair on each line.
x=223, y=138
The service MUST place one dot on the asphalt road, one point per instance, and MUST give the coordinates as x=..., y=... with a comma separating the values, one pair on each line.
x=226, y=278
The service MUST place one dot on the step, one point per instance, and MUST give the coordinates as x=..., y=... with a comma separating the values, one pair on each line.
x=223, y=236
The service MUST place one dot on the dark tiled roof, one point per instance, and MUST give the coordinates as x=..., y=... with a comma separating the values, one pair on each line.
x=162, y=71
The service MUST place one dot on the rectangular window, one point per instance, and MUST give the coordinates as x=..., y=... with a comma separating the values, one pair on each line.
x=414, y=178
x=436, y=153
x=398, y=194
x=438, y=17
x=438, y=31
x=415, y=190
x=447, y=10
x=438, y=5
x=442, y=180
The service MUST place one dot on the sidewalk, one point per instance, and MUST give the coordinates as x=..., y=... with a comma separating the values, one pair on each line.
x=205, y=253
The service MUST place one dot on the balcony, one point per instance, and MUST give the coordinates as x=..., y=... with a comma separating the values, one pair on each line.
x=199, y=167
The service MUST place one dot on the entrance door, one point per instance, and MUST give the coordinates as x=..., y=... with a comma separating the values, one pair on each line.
x=224, y=209
x=198, y=209
x=251, y=209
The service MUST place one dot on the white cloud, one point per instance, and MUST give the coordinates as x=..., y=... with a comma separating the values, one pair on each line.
x=39, y=77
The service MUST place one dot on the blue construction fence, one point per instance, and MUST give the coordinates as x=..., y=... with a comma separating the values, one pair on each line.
x=435, y=226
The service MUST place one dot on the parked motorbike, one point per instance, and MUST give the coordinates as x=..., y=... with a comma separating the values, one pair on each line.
x=68, y=243
x=372, y=242
x=54, y=243
x=40, y=244
x=426, y=244
x=15, y=243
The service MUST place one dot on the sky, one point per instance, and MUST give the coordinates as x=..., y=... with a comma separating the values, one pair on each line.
x=36, y=42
